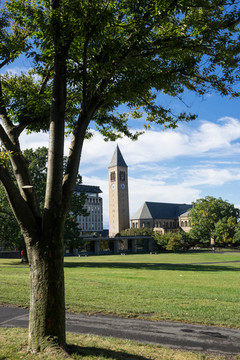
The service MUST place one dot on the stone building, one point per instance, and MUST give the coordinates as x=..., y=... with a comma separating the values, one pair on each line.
x=161, y=217
x=184, y=222
x=93, y=223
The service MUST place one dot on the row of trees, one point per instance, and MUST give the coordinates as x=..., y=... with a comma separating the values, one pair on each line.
x=88, y=58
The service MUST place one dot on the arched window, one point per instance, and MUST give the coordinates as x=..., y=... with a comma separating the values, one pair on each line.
x=112, y=176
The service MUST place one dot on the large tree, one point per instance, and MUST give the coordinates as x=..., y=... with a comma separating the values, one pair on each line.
x=88, y=59
x=213, y=219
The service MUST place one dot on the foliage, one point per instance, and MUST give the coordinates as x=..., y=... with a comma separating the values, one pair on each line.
x=171, y=241
x=213, y=218
x=224, y=231
x=136, y=232
x=236, y=237
x=106, y=45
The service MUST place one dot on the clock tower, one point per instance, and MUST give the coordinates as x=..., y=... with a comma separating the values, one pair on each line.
x=118, y=194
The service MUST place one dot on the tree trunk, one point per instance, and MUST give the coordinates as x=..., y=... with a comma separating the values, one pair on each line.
x=47, y=299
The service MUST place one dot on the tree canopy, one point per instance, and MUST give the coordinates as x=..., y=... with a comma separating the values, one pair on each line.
x=89, y=58
x=119, y=53
x=212, y=218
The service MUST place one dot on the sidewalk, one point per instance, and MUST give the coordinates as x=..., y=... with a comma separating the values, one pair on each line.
x=175, y=335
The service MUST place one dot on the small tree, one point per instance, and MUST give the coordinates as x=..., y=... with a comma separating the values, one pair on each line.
x=171, y=241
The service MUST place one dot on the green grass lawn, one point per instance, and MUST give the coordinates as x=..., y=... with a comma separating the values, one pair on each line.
x=195, y=287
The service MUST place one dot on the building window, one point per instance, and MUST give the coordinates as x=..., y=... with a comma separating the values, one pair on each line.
x=113, y=176
x=122, y=175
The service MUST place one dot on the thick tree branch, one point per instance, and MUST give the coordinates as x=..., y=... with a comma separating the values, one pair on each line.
x=20, y=170
x=4, y=116
x=23, y=213
x=84, y=72
x=75, y=149
x=53, y=198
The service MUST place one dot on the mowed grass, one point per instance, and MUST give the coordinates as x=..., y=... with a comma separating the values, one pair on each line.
x=196, y=287
x=13, y=345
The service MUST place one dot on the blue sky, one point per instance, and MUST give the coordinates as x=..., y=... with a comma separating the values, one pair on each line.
x=197, y=159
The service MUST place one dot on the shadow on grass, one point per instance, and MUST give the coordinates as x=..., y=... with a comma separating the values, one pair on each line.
x=210, y=266
x=104, y=353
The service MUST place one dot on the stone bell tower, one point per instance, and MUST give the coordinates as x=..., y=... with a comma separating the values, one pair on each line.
x=118, y=194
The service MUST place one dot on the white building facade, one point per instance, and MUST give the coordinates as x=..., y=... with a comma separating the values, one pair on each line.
x=93, y=223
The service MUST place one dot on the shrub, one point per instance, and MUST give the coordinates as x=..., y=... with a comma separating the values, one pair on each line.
x=172, y=241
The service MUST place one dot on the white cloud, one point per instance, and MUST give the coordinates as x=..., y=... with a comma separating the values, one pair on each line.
x=211, y=136
x=211, y=176
x=33, y=140
x=208, y=139
x=152, y=190
x=154, y=146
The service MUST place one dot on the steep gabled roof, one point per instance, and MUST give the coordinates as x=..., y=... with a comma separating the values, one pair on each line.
x=185, y=213
x=117, y=159
x=156, y=210
x=143, y=212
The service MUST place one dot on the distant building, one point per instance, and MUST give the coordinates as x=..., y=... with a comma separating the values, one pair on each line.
x=161, y=217
x=184, y=222
x=93, y=223
x=118, y=194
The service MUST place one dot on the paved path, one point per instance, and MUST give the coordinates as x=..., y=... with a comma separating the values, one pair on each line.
x=174, y=335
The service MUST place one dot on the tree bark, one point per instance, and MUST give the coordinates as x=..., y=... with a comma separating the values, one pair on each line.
x=47, y=300
x=46, y=254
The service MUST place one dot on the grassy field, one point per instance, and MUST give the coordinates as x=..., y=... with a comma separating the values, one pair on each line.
x=195, y=287
x=13, y=346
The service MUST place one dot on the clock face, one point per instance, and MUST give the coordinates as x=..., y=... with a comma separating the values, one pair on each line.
x=122, y=186
x=113, y=186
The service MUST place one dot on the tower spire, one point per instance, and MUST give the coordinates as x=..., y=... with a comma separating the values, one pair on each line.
x=117, y=159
